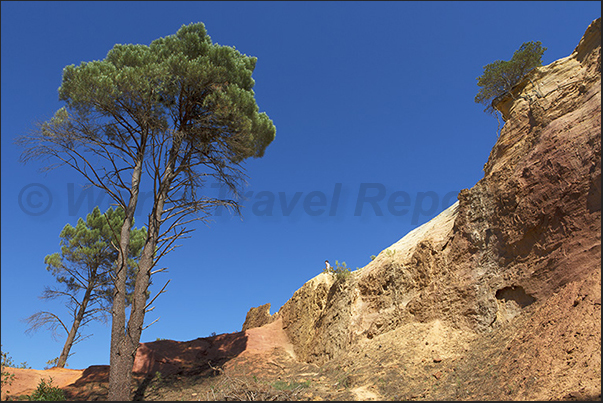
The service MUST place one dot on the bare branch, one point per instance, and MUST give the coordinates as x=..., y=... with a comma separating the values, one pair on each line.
x=50, y=293
x=158, y=294
x=159, y=270
x=151, y=322
x=45, y=319
x=79, y=338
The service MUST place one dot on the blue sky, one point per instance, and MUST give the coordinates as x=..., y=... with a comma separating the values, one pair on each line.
x=372, y=101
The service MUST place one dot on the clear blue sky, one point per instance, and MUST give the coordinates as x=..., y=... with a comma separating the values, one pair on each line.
x=368, y=98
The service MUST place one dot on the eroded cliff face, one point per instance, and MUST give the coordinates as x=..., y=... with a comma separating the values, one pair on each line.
x=532, y=224
x=511, y=271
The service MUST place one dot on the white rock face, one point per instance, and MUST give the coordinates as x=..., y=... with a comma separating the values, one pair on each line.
x=437, y=231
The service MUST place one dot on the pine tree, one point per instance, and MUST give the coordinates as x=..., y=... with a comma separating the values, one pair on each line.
x=500, y=76
x=173, y=114
x=83, y=270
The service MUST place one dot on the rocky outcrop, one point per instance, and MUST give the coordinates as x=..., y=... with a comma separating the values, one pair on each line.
x=528, y=232
x=258, y=316
x=303, y=313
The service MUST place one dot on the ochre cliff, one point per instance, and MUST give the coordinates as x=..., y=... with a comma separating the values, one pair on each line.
x=506, y=283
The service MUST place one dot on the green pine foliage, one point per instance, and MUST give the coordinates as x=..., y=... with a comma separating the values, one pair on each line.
x=500, y=76
x=89, y=250
x=206, y=89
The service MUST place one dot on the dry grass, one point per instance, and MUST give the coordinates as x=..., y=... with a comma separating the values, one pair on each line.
x=231, y=388
x=237, y=389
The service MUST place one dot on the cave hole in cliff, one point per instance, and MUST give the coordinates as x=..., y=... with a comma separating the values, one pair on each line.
x=515, y=293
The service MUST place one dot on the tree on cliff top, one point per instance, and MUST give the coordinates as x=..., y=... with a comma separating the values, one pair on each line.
x=500, y=76
x=173, y=114
x=83, y=270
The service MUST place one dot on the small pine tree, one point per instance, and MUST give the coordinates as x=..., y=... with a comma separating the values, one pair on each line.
x=83, y=271
x=500, y=76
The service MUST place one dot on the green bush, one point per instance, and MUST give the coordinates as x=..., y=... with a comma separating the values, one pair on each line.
x=500, y=76
x=340, y=272
x=47, y=392
x=6, y=378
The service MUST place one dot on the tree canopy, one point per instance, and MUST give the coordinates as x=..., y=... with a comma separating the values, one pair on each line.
x=500, y=76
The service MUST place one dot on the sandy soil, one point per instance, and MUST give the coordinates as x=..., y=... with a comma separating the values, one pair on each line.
x=26, y=381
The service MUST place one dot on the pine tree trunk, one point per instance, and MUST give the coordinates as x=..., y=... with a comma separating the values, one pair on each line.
x=123, y=352
x=74, y=328
x=123, y=363
x=120, y=358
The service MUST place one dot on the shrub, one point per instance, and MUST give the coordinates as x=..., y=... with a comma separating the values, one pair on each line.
x=500, y=76
x=53, y=363
x=47, y=392
x=6, y=378
x=340, y=272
